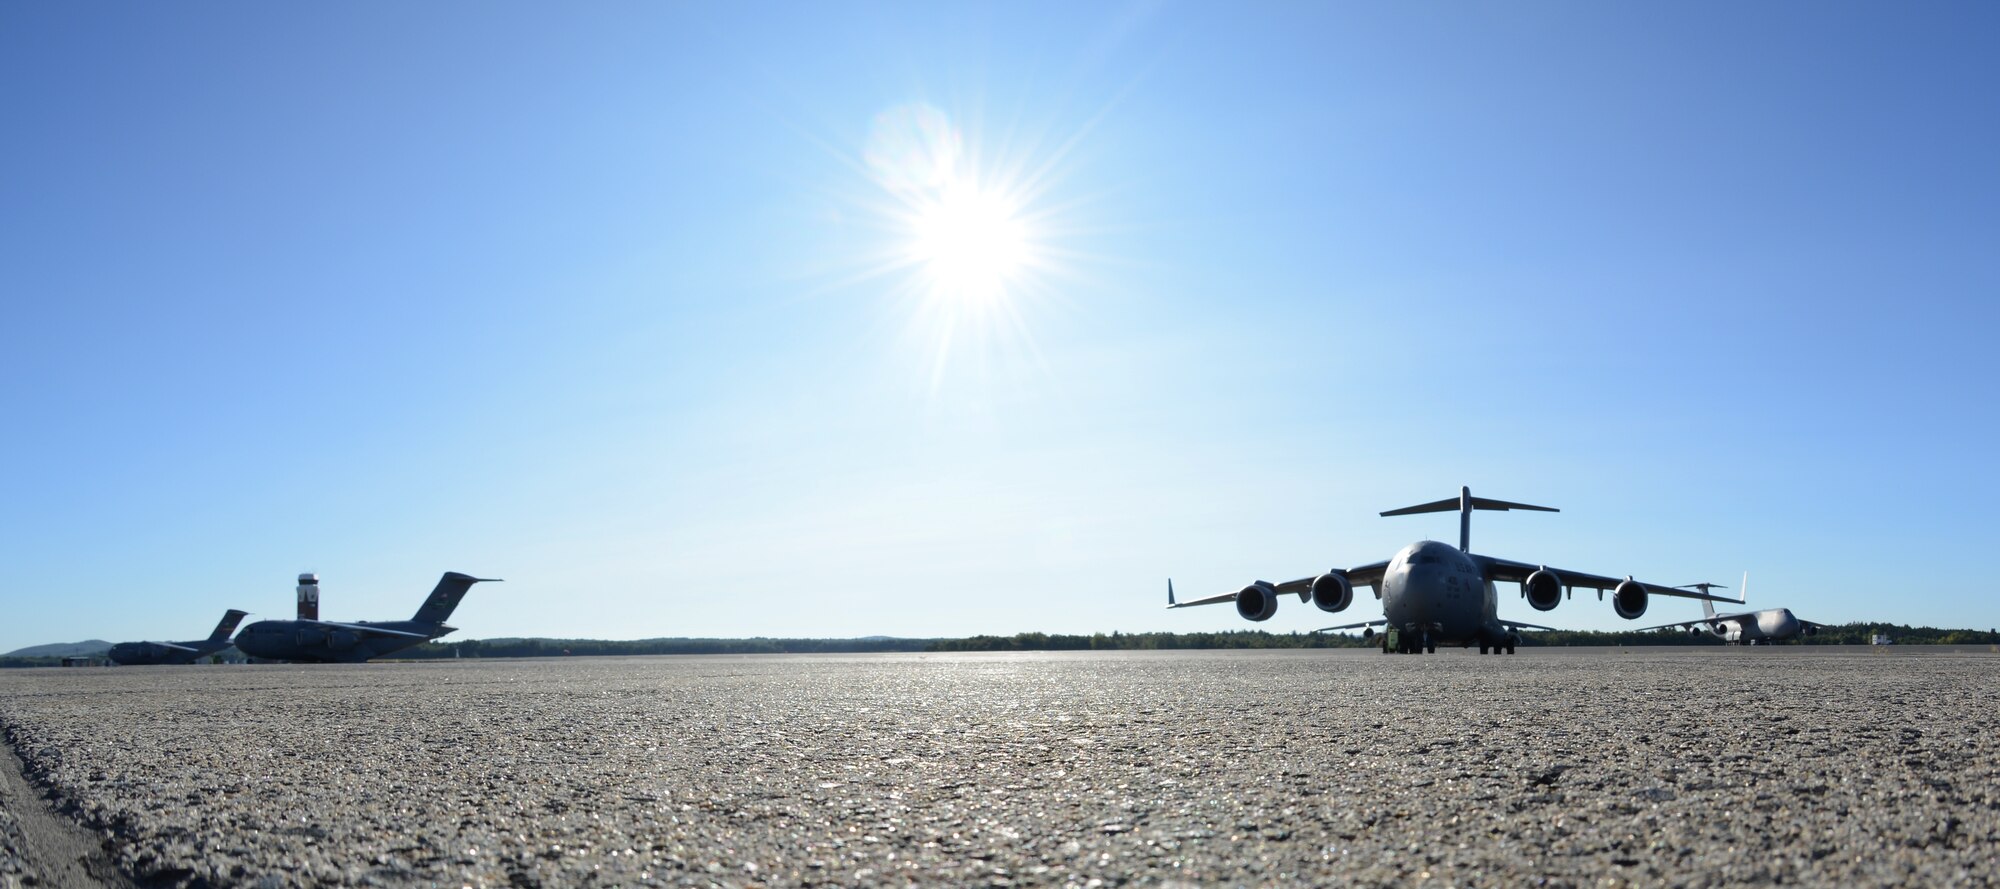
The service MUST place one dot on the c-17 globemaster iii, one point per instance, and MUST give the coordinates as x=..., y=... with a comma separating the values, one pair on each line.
x=326, y=641
x=133, y=654
x=1434, y=595
x=1766, y=627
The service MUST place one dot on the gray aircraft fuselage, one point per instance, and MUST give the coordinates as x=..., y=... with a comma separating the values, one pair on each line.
x=1431, y=587
x=295, y=640
x=1757, y=628
x=146, y=654
x=337, y=642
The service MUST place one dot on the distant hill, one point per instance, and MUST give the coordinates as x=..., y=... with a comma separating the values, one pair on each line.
x=63, y=649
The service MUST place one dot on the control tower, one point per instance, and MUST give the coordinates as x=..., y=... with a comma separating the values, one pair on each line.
x=308, y=597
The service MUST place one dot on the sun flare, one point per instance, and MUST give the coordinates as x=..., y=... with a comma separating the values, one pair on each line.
x=969, y=238
x=970, y=242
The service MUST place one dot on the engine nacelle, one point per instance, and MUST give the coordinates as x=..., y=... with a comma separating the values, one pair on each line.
x=1811, y=629
x=1257, y=601
x=1332, y=591
x=1543, y=589
x=1629, y=599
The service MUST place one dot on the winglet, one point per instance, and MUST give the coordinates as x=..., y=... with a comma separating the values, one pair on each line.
x=1170, y=592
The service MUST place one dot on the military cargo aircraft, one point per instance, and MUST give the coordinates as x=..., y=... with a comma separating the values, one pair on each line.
x=134, y=654
x=1434, y=595
x=325, y=641
x=1766, y=627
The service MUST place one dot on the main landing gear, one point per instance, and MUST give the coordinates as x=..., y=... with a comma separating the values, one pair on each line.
x=1401, y=642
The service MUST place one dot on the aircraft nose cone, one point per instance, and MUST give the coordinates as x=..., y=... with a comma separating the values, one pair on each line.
x=251, y=642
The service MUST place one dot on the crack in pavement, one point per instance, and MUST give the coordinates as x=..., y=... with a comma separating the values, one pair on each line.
x=38, y=846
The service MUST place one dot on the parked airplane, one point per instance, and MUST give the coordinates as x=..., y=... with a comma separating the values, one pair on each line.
x=134, y=654
x=326, y=641
x=1746, y=627
x=1435, y=595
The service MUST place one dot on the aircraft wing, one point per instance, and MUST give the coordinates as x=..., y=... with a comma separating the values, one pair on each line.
x=1365, y=623
x=1707, y=622
x=1364, y=575
x=364, y=628
x=1517, y=625
x=174, y=646
x=1503, y=569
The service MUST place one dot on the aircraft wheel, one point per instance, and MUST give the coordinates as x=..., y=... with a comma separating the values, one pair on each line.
x=1510, y=648
x=1482, y=648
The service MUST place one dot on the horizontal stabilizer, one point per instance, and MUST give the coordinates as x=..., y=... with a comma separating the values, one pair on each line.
x=1453, y=505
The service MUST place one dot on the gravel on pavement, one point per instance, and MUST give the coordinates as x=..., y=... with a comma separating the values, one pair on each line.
x=1564, y=767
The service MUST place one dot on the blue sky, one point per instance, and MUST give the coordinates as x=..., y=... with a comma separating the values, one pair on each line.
x=621, y=303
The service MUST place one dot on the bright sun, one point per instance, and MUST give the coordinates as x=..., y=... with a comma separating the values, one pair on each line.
x=967, y=236
x=969, y=241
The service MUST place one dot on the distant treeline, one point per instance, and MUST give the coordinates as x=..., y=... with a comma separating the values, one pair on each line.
x=603, y=647
x=1849, y=634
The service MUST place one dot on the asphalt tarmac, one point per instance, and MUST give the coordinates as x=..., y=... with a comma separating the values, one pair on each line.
x=1563, y=767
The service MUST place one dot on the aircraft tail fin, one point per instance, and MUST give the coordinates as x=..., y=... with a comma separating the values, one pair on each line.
x=1742, y=595
x=227, y=627
x=1465, y=503
x=444, y=597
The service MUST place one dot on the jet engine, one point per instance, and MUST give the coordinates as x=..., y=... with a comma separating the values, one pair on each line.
x=1629, y=599
x=341, y=640
x=1257, y=601
x=1811, y=629
x=1543, y=589
x=1332, y=592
